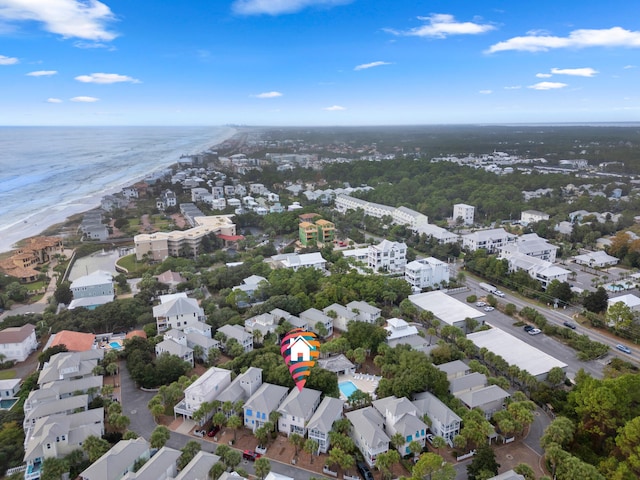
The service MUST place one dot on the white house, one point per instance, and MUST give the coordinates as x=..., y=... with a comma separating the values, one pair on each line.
x=177, y=311
x=599, y=259
x=398, y=331
x=172, y=347
x=296, y=261
x=17, y=343
x=388, y=256
x=532, y=245
x=490, y=240
x=205, y=389
x=321, y=423
x=445, y=422
x=532, y=216
x=234, y=331
x=367, y=432
x=313, y=317
x=341, y=315
x=464, y=211
x=426, y=272
x=630, y=300
x=118, y=461
x=364, y=311
x=296, y=410
x=543, y=271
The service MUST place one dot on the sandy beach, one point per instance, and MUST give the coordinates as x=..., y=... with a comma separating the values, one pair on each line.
x=41, y=220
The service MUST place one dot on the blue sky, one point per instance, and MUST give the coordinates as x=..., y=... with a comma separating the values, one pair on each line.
x=318, y=62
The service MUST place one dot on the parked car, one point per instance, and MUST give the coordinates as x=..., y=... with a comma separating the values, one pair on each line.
x=213, y=430
x=528, y=328
x=480, y=304
x=250, y=455
x=364, y=470
x=569, y=325
x=261, y=449
x=430, y=438
x=535, y=331
x=623, y=348
x=199, y=433
x=489, y=309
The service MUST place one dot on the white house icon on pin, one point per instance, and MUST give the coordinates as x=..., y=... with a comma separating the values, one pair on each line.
x=300, y=348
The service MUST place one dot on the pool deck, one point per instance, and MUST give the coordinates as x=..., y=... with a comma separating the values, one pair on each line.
x=364, y=382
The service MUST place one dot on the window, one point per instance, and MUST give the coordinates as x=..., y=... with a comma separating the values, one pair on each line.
x=249, y=412
x=409, y=438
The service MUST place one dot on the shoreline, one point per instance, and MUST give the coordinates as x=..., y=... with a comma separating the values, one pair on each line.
x=43, y=223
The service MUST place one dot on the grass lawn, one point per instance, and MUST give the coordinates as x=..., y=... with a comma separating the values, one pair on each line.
x=7, y=374
x=36, y=286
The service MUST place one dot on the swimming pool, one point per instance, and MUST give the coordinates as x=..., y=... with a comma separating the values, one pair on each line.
x=115, y=345
x=7, y=403
x=347, y=388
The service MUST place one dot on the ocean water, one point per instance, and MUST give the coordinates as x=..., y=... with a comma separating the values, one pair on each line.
x=50, y=173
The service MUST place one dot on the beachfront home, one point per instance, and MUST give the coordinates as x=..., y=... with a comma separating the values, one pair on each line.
x=259, y=406
x=17, y=343
x=321, y=423
x=296, y=410
x=36, y=251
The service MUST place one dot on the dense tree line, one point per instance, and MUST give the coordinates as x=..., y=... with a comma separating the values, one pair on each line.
x=150, y=372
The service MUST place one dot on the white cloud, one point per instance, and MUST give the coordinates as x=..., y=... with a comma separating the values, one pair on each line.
x=543, y=75
x=486, y=92
x=70, y=18
x=513, y=87
x=277, y=7
x=334, y=108
x=54, y=100
x=441, y=25
x=611, y=37
x=364, y=66
x=548, y=85
x=268, y=95
x=578, y=72
x=105, y=78
x=42, y=73
x=85, y=99
x=626, y=67
x=8, y=60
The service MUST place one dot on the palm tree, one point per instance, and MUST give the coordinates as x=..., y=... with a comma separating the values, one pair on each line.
x=273, y=418
x=234, y=422
x=262, y=467
x=159, y=437
x=311, y=447
x=297, y=441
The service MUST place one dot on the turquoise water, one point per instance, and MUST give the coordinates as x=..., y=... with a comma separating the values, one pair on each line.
x=115, y=345
x=347, y=388
x=7, y=403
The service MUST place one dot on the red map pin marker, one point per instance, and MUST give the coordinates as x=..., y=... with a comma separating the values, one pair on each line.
x=300, y=350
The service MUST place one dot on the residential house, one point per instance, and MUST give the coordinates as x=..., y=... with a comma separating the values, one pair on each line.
x=234, y=331
x=70, y=366
x=465, y=212
x=445, y=422
x=171, y=279
x=367, y=432
x=65, y=406
x=490, y=240
x=296, y=410
x=58, y=435
x=629, y=300
x=321, y=422
x=426, y=273
x=74, y=341
x=92, y=290
x=599, y=259
x=401, y=416
x=177, y=311
x=364, y=311
x=341, y=316
x=408, y=217
x=250, y=286
x=17, y=343
x=265, y=400
x=441, y=235
x=488, y=399
x=317, y=320
x=543, y=271
x=35, y=252
x=454, y=369
x=532, y=245
x=172, y=347
x=61, y=389
x=399, y=331
x=199, y=466
x=9, y=388
x=338, y=364
x=163, y=465
x=205, y=389
x=387, y=256
x=508, y=475
x=467, y=383
x=296, y=261
x=532, y=216
x=242, y=387
x=118, y=461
